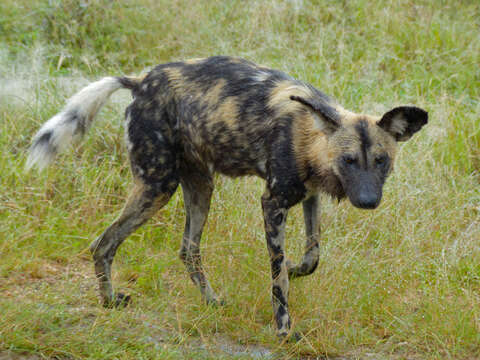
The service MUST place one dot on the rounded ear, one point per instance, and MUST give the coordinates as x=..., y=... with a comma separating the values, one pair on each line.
x=326, y=116
x=403, y=121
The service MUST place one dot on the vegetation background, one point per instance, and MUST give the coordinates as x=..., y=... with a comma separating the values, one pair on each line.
x=400, y=282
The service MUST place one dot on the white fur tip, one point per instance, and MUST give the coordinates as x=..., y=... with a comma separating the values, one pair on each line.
x=75, y=119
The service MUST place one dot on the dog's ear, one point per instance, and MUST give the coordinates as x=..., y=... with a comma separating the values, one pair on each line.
x=404, y=121
x=327, y=118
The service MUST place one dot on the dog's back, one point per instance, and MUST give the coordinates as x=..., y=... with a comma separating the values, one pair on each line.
x=221, y=112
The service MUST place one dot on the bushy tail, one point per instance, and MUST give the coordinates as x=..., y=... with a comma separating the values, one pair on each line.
x=74, y=120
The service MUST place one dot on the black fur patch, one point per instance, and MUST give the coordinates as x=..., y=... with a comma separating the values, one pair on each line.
x=127, y=83
x=74, y=117
x=45, y=138
x=276, y=263
x=278, y=294
x=415, y=117
x=362, y=129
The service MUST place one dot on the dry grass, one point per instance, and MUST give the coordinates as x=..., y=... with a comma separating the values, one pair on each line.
x=401, y=282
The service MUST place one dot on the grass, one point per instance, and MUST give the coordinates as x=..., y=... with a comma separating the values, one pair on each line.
x=401, y=282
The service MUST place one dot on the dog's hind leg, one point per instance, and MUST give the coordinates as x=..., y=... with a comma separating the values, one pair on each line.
x=141, y=205
x=197, y=192
x=312, y=229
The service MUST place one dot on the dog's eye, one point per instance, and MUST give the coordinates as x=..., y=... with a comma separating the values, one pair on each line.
x=381, y=160
x=349, y=160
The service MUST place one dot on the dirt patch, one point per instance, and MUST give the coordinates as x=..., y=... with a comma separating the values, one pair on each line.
x=24, y=285
x=30, y=279
x=8, y=355
x=253, y=351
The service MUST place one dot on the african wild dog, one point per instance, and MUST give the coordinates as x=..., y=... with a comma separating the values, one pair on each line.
x=191, y=119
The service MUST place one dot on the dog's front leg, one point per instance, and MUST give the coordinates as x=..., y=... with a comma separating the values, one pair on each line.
x=312, y=229
x=275, y=216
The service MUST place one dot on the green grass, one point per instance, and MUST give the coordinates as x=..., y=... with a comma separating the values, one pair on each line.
x=402, y=282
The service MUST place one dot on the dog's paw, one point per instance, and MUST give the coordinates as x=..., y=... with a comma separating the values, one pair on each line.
x=302, y=269
x=293, y=269
x=289, y=263
x=289, y=337
x=215, y=302
x=119, y=300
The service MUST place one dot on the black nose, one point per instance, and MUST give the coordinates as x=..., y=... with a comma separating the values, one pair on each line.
x=367, y=201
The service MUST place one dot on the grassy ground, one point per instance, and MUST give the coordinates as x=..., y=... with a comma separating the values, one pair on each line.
x=400, y=282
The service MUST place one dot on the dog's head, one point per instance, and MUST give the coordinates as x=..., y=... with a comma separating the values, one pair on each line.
x=360, y=149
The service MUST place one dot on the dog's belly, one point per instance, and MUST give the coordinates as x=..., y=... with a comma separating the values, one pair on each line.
x=239, y=167
x=232, y=160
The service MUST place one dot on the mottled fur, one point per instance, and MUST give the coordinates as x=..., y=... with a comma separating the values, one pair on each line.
x=191, y=119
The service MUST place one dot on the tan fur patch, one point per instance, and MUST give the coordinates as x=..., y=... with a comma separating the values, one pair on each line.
x=347, y=116
x=398, y=124
x=309, y=143
x=237, y=60
x=175, y=77
x=213, y=94
x=227, y=112
x=194, y=61
x=280, y=96
x=137, y=79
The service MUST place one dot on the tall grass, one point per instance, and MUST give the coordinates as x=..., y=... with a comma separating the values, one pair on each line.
x=402, y=281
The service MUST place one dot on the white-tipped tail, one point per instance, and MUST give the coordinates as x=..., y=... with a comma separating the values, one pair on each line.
x=71, y=123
